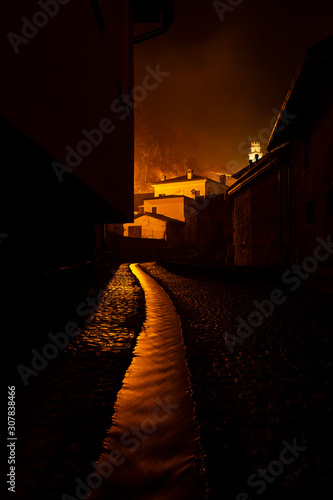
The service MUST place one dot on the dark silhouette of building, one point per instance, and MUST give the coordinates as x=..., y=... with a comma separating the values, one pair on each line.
x=68, y=148
x=67, y=102
x=210, y=230
x=283, y=202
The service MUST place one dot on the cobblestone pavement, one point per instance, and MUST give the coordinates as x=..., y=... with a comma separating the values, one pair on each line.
x=275, y=387
x=69, y=407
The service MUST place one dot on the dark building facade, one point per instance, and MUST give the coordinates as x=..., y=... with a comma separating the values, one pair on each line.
x=283, y=202
x=210, y=230
x=67, y=147
x=67, y=102
x=261, y=215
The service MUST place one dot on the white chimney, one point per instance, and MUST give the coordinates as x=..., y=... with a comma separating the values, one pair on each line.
x=189, y=173
x=223, y=179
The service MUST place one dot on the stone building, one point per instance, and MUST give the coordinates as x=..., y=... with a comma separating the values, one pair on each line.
x=190, y=185
x=158, y=227
x=284, y=201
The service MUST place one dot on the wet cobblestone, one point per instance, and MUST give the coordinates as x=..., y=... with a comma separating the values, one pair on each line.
x=76, y=394
x=276, y=386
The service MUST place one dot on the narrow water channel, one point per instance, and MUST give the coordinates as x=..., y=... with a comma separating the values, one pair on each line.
x=149, y=451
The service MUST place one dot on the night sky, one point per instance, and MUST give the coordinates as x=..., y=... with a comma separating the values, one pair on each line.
x=226, y=78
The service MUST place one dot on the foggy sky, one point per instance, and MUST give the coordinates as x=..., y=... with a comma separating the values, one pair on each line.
x=226, y=77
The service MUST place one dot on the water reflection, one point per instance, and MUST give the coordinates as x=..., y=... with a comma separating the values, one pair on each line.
x=77, y=392
x=153, y=431
x=107, y=328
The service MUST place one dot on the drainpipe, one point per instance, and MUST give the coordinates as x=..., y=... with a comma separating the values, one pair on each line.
x=167, y=16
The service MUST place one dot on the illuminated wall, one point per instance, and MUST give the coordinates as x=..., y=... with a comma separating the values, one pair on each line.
x=176, y=207
x=150, y=228
x=189, y=187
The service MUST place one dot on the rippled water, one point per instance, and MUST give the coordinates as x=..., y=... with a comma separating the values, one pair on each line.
x=275, y=386
x=77, y=391
x=108, y=328
x=153, y=443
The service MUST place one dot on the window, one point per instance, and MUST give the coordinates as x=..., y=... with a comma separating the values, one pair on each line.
x=135, y=231
x=154, y=210
x=329, y=203
x=310, y=211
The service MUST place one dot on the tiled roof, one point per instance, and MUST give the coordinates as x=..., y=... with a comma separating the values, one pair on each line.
x=158, y=216
x=182, y=178
x=170, y=196
x=139, y=197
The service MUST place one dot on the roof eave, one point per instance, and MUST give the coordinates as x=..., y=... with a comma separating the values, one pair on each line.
x=254, y=172
x=286, y=100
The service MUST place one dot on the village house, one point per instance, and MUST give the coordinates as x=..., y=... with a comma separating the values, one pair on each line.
x=190, y=185
x=259, y=204
x=156, y=226
x=173, y=206
x=174, y=200
x=283, y=201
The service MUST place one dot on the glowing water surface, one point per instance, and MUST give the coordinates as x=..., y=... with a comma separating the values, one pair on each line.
x=153, y=440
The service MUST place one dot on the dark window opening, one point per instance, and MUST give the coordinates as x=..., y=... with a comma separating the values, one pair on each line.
x=135, y=231
x=154, y=210
x=310, y=211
